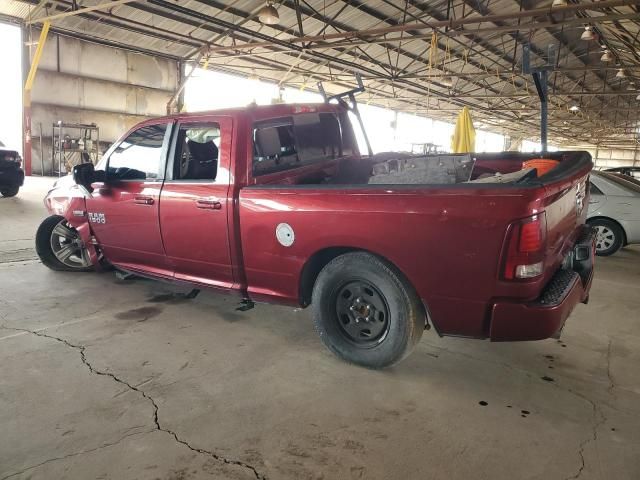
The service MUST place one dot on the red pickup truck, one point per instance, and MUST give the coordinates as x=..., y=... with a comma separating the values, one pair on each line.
x=277, y=205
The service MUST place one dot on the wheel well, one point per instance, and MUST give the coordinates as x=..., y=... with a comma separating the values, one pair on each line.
x=609, y=219
x=317, y=262
x=312, y=269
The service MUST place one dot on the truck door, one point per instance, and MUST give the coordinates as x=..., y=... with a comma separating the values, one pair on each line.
x=123, y=210
x=194, y=204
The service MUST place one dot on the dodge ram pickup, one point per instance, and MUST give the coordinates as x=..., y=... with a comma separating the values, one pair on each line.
x=276, y=204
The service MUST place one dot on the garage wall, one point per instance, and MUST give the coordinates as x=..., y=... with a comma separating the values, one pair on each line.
x=609, y=158
x=82, y=82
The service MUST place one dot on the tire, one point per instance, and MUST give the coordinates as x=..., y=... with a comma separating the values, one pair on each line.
x=10, y=191
x=609, y=236
x=53, y=246
x=365, y=311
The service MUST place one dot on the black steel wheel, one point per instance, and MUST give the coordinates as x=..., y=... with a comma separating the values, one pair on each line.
x=362, y=313
x=365, y=310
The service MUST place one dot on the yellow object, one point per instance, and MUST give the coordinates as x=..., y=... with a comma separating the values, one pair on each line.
x=34, y=63
x=464, y=136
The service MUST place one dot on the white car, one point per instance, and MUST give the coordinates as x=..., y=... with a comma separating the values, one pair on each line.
x=614, y=211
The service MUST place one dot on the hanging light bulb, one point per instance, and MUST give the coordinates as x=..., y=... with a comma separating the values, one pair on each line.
x=447, y=81
x=574, y=108
x=268, y=14
x=588, y=34
x=606, y=56
x=621, y=73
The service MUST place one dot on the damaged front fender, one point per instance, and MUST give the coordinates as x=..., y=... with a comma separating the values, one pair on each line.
x=70, y=202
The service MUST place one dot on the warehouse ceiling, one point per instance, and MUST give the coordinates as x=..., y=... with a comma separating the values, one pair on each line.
x=427, y=57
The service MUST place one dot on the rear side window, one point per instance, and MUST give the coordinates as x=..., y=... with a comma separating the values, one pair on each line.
x=274, y=147
x=289, y=142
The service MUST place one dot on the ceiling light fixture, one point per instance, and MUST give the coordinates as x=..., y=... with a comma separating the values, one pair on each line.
x=606, y=56
x=574, y=108
x=268, y=14
x=588, y=34
x=447, y=81
x=621, y=73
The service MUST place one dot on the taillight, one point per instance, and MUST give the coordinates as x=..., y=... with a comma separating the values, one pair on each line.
x=525, y=248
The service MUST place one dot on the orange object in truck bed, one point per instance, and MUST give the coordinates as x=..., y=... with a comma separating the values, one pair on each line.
x=542, y=165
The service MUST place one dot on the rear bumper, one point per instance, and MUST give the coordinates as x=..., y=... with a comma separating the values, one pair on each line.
x=11, y=177
x=545, y=317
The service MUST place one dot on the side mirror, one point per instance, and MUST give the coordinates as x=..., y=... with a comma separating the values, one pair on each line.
x=85, y=174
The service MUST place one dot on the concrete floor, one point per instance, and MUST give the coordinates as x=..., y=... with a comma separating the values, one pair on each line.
x=109, y=379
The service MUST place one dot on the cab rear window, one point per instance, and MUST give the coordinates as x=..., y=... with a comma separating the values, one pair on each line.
x=288, y=142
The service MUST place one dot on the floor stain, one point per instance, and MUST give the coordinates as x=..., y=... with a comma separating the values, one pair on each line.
x=141, y=314
x=171, y=298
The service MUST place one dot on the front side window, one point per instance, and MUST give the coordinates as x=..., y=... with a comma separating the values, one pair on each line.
x=139, y=156
x=197, y=152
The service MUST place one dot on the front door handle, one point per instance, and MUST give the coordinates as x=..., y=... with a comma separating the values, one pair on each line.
x=143, y=200
x=209, y=203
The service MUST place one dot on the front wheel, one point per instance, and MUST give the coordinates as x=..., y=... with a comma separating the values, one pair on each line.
x=609, y=236
x=60, y=247
x=365, y=311
x=9, y=191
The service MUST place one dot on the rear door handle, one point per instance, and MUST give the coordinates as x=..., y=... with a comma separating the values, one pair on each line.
x=209, y=203
x=143, y=200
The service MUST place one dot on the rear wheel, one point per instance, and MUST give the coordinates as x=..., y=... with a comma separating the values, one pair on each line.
x=609, y=236
x=365, y=311
x=9, y=191
x=60, y=247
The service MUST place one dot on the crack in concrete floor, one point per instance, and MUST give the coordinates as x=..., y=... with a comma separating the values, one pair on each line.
x=597, y=411
x=156, y=420
x=75, y=454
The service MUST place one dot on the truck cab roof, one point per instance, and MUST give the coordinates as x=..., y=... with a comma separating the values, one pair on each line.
x=258, y=112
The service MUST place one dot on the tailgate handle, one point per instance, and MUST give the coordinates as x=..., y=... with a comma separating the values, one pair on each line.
x=209, y=203
x=143, y=200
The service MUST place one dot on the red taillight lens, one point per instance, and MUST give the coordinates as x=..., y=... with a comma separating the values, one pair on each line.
x=530, y=236
x=525, y=247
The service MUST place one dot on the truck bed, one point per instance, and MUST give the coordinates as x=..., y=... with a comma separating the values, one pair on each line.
x=448, y=169
x=447, y=238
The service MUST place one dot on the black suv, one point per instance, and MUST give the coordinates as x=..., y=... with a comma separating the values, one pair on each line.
x=11, y=175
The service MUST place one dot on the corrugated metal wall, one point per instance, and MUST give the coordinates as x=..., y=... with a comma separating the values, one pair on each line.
x=81, y=82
